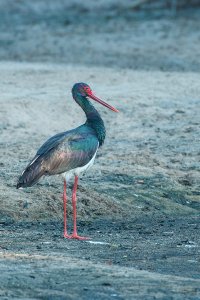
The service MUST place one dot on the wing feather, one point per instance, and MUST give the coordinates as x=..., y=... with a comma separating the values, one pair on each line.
x=73, y=153
x=62, y=152
x=68, y=150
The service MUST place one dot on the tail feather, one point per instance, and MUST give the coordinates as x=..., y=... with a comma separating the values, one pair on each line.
x=31, y=174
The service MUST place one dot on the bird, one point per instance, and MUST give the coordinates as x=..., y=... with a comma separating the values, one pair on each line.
x=70, y=153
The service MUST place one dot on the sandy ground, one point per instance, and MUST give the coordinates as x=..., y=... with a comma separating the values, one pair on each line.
x=38, y=264
x=149, y=160
x=141, y=199
x=142, y=190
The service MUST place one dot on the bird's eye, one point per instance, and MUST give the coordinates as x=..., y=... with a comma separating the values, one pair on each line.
x=87, y=89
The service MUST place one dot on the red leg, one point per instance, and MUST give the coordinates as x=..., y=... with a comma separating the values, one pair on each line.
x=75, y=234
x=65, y=209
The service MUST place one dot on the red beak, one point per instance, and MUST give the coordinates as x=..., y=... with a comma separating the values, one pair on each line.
x=92, y=96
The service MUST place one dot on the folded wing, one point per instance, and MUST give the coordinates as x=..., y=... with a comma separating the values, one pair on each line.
x=59, y=154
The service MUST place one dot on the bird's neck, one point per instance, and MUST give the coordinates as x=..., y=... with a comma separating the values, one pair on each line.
x=94, y=119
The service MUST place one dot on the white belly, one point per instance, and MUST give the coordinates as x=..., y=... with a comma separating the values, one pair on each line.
x=79, y=170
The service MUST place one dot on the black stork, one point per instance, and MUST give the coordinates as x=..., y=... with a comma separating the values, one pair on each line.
x=71, y=152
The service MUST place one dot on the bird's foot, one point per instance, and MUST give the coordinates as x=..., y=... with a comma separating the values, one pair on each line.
x=66, y=235
x=78, y=237
x=75, y=236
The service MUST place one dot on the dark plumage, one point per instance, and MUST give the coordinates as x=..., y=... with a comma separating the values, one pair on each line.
x=70, y=152
x=61, y=153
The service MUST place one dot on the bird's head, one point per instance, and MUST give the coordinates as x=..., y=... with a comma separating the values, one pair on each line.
x=84, y=90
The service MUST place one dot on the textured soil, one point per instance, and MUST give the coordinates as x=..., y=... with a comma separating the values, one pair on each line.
x=140, y=202
x=139, y=258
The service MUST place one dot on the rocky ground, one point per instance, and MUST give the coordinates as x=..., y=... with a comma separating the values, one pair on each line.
x=140, y=202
